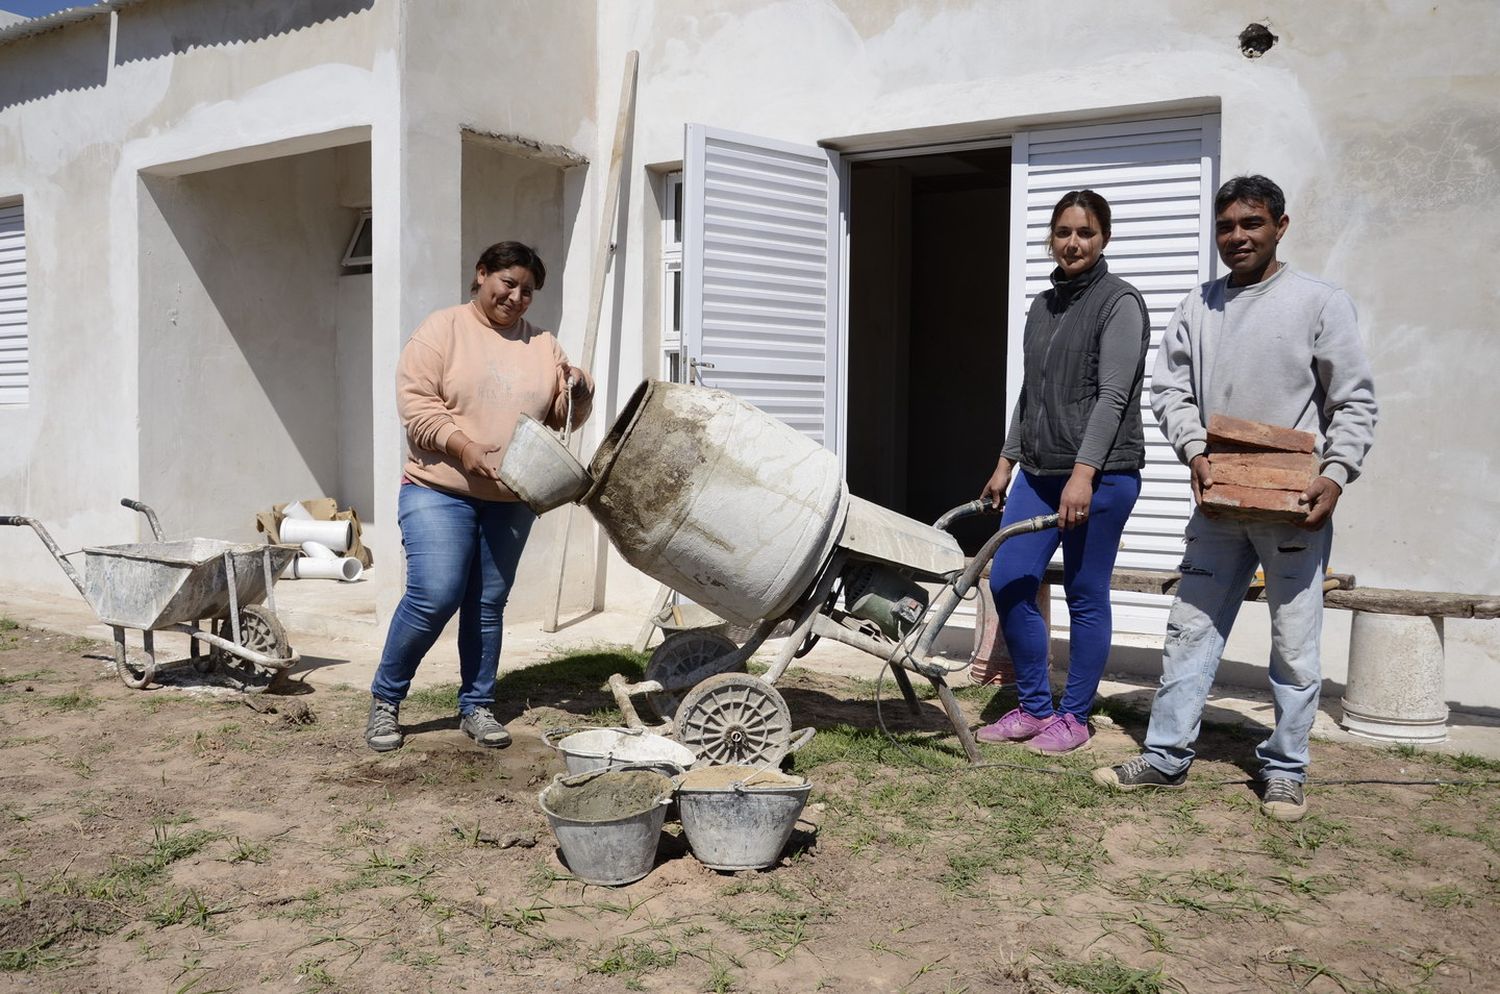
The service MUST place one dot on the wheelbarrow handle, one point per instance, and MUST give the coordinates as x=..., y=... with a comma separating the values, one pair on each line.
x=151, y=518
x=15, y=519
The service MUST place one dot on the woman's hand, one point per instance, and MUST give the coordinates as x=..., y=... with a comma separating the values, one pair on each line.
x=999, y=482
x=1077, y=495
x=473, y=456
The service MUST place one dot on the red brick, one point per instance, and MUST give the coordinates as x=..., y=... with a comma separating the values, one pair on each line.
x=1250, y=502
x=1237, y=431
x=1302, y=462
x=1244, y=470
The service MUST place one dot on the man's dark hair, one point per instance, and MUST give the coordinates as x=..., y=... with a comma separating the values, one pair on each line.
x=1252, y=189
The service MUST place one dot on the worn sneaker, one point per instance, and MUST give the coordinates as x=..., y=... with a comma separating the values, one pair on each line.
x=1281, y=798
x=1064, y=733
x=1135, y=774
x=383, y=730
x=1017, y=726
x=481, y=726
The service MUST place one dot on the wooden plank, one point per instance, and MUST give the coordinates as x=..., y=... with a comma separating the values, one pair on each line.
x=1162, y=581
x=603, y=250
x=1423, y=603
x=1238, y=431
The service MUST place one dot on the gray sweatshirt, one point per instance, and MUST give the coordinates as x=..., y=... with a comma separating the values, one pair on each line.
x=1285, y=351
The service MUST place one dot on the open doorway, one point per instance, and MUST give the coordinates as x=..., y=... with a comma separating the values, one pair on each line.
x=929, y=266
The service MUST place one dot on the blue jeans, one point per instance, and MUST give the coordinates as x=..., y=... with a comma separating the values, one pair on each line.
x=1217, y=567
x=1088, y=560
x=461, y=555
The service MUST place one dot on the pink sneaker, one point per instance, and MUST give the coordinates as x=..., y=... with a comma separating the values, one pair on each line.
x=1017, y=726
x=1064, y=733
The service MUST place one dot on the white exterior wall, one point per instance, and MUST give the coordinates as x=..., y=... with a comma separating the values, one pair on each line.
x=1378, y=121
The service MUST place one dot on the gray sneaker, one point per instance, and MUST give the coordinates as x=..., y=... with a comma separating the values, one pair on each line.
x=1134, y=774
x=1281, y=798
x=481, y=726
x=383, y=730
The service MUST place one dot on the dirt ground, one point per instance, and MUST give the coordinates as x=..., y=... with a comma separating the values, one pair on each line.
x=191, y=840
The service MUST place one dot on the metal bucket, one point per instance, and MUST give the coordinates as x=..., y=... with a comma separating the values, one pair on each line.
x=539, y=469
x=602, y=748
x=607, y=822
x=739, y=817
x=717, y=499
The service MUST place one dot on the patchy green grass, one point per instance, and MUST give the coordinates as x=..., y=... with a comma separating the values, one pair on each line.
x=73, y=700
x=1107, y=975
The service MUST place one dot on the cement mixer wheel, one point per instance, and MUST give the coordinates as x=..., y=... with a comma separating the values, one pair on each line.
x=681, y=662
x=735, y=719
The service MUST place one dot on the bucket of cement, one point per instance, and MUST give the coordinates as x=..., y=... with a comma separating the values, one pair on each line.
x=607, y=822
x=739, y=817
x=601, y=748
x=540, y=470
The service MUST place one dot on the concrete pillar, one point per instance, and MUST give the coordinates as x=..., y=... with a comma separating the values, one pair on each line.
x=1395, y=685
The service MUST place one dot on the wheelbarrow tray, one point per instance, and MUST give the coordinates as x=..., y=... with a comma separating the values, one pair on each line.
x=154, y=585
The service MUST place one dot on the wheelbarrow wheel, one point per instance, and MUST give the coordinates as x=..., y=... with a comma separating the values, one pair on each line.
x=734, y=719
x=260, y=631
x=684, y=660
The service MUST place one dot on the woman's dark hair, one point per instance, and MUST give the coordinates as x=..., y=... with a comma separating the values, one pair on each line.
x=1091, y=203
x=1254, y=190
x=503, y=255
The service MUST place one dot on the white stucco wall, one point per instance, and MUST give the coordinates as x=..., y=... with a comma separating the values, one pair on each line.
x=1379, y=121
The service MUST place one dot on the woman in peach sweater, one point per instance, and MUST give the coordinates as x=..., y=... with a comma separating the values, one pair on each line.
x=464, y=379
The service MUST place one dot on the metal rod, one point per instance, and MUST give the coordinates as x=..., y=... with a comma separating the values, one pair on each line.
x=249, y=655
x=949, y=599
x=41, y=533
x=234, y=596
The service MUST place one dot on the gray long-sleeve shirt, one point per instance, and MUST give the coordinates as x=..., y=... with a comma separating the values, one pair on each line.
x=1285, y=351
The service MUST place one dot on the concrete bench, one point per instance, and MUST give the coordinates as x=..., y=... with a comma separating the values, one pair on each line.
x=1394, y=689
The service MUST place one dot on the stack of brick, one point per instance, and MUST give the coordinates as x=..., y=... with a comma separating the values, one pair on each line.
x=1258, y=470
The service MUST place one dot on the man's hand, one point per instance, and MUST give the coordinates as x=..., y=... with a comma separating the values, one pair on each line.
x=994, y=490
x=1321, y=497
x=1077, y=495
x=1202, y=474
x=574, y=379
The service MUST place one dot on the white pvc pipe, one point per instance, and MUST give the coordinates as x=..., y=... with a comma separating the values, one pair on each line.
x=318, y=550
x=336, y=535
x=308, y=568
x=296, y=511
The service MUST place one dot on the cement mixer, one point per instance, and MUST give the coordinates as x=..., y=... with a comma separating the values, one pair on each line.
x=752, y=520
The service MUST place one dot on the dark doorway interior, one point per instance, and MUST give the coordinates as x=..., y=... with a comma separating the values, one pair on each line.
x=928, y=285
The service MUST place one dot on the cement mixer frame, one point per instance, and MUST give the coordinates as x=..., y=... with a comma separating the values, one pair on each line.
x=687, y=658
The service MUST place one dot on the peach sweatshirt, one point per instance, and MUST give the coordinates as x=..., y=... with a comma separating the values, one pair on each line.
x=459, y=372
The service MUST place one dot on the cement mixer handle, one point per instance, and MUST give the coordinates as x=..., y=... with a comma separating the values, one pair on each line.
x=967, y=510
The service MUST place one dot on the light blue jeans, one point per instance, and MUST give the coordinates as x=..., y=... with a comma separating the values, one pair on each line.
x=1217, y=568
x=461, y=555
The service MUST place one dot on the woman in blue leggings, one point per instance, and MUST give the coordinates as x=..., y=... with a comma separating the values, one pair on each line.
x=1076, y=435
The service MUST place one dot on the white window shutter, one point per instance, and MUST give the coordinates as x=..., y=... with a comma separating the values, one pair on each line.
x=1159, y=179
x=762, y=229
x=15, y=354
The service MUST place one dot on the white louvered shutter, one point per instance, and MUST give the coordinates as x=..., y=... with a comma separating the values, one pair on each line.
x=14, y=342
x=762, y=229
x=1159, y=178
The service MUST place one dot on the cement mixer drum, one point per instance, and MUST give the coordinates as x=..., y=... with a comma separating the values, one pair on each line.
x=717, y=499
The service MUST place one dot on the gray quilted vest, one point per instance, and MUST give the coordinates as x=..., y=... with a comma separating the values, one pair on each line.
x=1062, y=374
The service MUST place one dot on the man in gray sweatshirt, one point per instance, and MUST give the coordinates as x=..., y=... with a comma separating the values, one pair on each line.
x=1266, y=343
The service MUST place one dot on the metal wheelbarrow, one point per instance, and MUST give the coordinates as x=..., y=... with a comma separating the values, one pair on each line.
x=181, y=587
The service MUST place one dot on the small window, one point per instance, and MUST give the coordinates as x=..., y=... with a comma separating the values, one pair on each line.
x=671, y=281
x=357, y=255
x=15, y=341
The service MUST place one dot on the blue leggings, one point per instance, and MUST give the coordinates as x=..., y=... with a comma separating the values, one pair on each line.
x=1088, y=560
